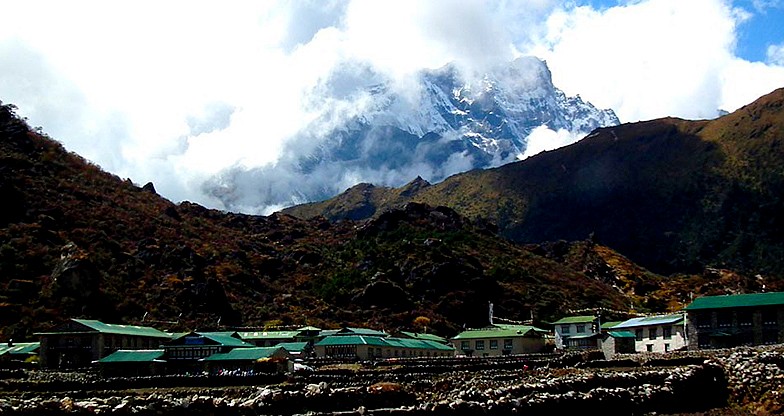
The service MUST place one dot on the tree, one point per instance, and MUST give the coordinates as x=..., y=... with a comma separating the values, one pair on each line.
x=421, y=323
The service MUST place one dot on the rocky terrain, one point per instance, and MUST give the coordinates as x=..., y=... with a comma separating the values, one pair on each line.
x=672, y=195
x=720, y=382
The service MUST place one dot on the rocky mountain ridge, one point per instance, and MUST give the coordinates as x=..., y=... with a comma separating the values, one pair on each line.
x=377, y=132
x=78, y=242
x=674, y=196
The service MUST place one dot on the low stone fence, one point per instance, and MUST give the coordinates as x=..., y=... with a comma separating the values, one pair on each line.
x=750, y=379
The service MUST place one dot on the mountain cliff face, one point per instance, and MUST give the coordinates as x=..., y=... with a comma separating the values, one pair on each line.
x=672, y=195
x=443, y=125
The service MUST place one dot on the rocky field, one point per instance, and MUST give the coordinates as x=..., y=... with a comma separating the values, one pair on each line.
x=722, y=382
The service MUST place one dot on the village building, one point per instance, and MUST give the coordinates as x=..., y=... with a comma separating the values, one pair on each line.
x=268, y=338
x=309, y=334
x=366, y=347
x=425, y=336
x=616, y=342
x=248, y=361
x=351, y=331
x=18, y=354
x=184, y=350
x=613, y=341
x=660, y=333
x=132, y=363
x=734, y=320
x=410, y=347
x=577, y=332
x=500, y=339
x=79, y=342
x=297, y=349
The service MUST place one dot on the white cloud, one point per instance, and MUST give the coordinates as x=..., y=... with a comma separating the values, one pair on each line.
x=181, y=91
x=543, y=139
x=654, y=58
x=775, y=54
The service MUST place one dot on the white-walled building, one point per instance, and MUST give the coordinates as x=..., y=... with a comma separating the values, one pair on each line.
x=577, y=332
x=660, y=333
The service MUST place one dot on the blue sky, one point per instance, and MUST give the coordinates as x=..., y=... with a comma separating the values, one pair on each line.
x=765, y=27
x=178, y=92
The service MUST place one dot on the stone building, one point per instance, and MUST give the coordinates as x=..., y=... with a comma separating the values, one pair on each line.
x=79, y=342
x=734, y=320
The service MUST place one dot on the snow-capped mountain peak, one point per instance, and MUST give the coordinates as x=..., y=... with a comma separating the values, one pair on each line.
x=446, y=123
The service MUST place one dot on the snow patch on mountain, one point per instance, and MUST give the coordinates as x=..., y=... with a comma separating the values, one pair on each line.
x=367, y=128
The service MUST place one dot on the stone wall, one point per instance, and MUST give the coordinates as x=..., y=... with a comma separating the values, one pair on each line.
x=750, y=379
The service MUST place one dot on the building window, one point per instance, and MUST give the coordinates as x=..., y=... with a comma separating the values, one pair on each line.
x=638, y=333
x=565, y=329
x=667, y=332
x=493, y=344
x=651, y=333
x=465, y=345
x=770, y=336
x=745, y=318
x=507, y=344
x=770, y=317
x=666, y=347
x=702, y=320
x=581, y=328
x=724, y=319
x=703, y=340
x=480, y=344
x=649, y=347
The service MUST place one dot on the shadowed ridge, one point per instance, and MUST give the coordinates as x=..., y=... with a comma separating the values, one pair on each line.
x=672, y=195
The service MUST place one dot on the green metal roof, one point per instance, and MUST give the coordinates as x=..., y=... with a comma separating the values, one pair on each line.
x=352, y=340
x=430, y=337
x=244, y=354
x=98, y=326
x=651, y=321
x=433, y=345
x=223, y=338
x=268, y=335
x=499, y=331
x=421, y=344
x=621, y=334
x=360, y=331
x=132, y=356
x=144, y=331
x=417, y=344
x=522, y=328
x=20, y=348
x=293, y=346
x=608, y=325
x=583, y=319
x=737, y=301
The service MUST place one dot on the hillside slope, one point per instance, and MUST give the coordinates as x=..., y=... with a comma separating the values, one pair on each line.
x=673, y=195
x=78, y=242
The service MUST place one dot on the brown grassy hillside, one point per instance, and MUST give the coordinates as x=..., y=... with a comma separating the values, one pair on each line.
x=675, y=196
x=76, y=241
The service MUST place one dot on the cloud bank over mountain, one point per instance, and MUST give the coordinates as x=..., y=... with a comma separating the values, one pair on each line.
x=185, y=93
